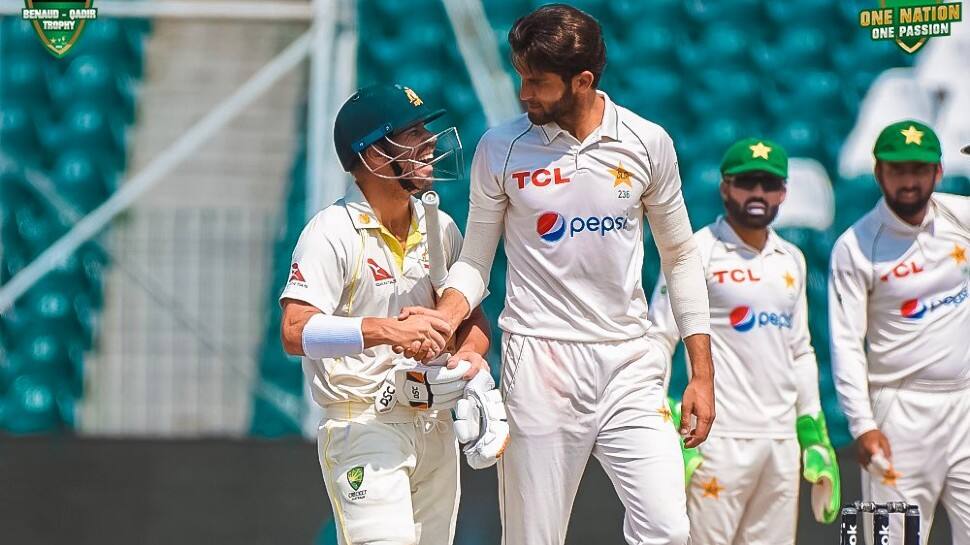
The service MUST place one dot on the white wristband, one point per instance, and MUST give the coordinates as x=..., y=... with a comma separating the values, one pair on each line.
x=326, y=336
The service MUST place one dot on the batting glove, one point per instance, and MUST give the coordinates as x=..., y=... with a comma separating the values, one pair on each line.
x=429, y=387
x=481, y=423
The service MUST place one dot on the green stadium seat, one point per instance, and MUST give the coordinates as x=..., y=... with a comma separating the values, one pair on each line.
x=460, y=102
x=91, y=79
x=11, y=365
x=428, y=37
x=18, y=132
x=805, y=12
x=36, y=229
x=502, y=13
x=654, y=93
x=800, y=237
x=956, y=185
x=716, y=134
x=24, y=81
x=860, y=52
x=717, y=91
x=390, y=10
x=44, y=350
x=95, y=130
x=30, y=406
x=721, y=46
x=708, y=14
x=110, y=40
x=79, y=180
x=799, y=137
x=20, y=38
x=807, y=91
x=654, y=43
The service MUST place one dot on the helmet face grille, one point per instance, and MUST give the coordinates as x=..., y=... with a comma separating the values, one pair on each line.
x=447, y=158
x=373, y=113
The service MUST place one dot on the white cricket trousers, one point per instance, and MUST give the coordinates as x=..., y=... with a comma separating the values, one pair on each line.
x=928, y=428
x=568, y=400
x=392, y=478
x=745, y=492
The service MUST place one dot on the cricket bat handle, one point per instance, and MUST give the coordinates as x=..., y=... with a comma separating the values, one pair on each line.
x=436, y=250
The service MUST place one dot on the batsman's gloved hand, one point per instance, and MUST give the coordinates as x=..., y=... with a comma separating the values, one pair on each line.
x=480, y=422
x=820, y=467
x=430, y=386
x=692, y=456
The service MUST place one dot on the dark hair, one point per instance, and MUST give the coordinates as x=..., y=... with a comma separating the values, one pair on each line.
x=560, y=39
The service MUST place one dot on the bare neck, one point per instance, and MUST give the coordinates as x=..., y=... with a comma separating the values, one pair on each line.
x=390, y=202
x=756, y=238
x=586, y=117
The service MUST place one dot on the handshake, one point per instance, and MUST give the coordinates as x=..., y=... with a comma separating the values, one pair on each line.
x=421, y=334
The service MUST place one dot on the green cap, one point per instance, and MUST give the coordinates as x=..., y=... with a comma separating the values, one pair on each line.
x=908, y=141
x=373, y=113
x=755, y=154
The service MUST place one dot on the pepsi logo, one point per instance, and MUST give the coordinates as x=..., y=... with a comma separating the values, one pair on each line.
x=742, y=319
x=551, y=226
x=745, y=318
x=914, y=309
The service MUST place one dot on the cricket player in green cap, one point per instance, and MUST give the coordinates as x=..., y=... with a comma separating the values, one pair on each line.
x=743, y=482
x=900, y=327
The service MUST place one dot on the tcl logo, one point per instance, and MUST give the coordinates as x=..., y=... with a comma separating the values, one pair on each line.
x=539, y=178
x=902, y=270
x=738, y=276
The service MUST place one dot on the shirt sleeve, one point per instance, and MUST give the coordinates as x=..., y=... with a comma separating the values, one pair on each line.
x=680, y=260
x=848, y=301
x=318, y=269
x=453, y=241
x=803, y=354
x=663, y=327
x=486, y=219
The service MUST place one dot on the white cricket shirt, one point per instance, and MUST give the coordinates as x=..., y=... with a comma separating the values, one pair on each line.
x=572, y=214
x=898, y=308
x=347, y=264
x=759, y=332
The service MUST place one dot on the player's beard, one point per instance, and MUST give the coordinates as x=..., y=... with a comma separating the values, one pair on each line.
x=559, y=110
x=907, y=209
x=739, y=213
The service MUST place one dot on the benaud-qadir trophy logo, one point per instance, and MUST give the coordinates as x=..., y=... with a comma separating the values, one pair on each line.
x=59, y=23
x=910, y=23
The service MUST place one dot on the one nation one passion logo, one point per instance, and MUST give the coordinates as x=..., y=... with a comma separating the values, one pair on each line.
x=910, y=23
x=59, y=22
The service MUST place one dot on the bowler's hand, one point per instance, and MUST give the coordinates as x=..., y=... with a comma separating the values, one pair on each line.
x=478, y=363
x=698, y=402
x=421, y=349
x=870, y=443
x=421, y=333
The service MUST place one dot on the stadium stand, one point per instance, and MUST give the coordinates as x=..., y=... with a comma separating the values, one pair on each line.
x=64, y=120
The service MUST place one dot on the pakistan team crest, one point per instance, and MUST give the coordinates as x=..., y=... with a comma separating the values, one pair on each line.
x=59, y=23
x=355, y=476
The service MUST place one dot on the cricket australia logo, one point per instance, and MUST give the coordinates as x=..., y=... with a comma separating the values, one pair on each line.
x=59, y=23
x=355, y=478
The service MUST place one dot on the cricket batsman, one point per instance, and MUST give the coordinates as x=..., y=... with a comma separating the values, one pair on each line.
x=387, y=444
x=743, y=483
x=568, y=184
x=900, y=329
